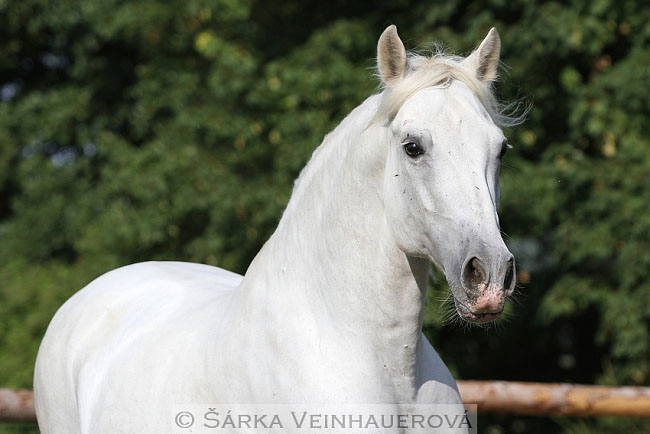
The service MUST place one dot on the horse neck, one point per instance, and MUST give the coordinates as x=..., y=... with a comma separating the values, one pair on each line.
x=333, y=249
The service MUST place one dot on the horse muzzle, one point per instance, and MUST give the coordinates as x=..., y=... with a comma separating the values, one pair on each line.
x=486, y=286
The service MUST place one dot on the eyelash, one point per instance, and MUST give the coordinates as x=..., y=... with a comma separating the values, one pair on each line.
x=504, y=148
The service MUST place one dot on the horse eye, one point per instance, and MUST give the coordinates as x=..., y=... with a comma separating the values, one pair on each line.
x=504, y=148
x=413, y=149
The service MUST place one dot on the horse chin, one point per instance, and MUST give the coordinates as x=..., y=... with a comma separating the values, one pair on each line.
x=468, y=314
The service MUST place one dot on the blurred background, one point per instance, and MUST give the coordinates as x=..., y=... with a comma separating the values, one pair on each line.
x=173, y=130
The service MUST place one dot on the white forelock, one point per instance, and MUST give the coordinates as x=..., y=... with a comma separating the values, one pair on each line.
x=439, y=70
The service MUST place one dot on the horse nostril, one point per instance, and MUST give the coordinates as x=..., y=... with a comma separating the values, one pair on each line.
x=473, y=275
x=510, y=274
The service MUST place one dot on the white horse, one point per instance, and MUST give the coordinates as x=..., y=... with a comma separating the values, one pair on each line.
x=330, y=310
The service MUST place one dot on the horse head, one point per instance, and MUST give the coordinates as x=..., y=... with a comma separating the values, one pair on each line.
x=441, y=183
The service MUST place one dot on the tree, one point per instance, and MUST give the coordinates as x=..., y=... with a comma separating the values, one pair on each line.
x=160, y=130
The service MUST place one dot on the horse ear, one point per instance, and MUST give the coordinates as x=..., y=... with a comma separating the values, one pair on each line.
x=391, y=55
x=485, y=59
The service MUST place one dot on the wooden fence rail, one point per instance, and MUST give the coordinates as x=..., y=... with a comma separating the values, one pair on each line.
x=556, y=399
x=17, y=406
x=541, y=399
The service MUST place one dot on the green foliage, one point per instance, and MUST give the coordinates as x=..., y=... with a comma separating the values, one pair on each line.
x=134, y=130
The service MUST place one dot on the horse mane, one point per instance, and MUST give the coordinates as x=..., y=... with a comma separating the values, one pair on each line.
x=439, y=70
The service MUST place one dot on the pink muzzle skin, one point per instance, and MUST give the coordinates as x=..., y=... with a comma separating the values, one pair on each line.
x=490, y=300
